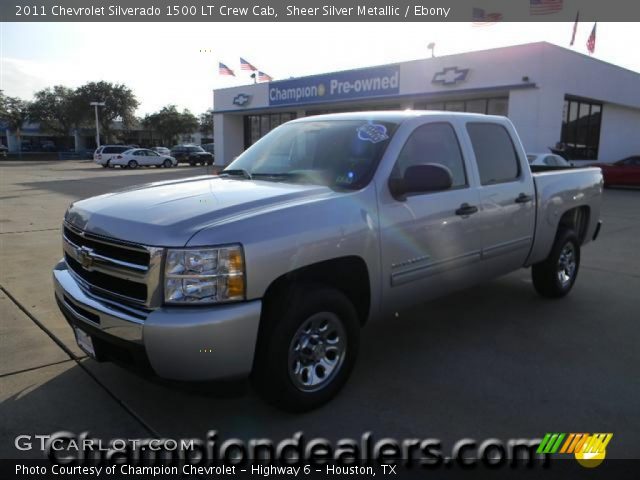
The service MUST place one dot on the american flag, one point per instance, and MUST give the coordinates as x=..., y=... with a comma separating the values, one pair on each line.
x=224, y=70
x=544, y=7
x=591, y=42
x=482, y=19
x=575, y=28
x=244, y=65
x=263, y=77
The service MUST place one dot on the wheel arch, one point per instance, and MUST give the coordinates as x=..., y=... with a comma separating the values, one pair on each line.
x=348, y=274
x=576, y=219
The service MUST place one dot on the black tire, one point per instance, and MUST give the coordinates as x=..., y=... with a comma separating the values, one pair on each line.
x=132, y=164
x=283, y=321
x=105, y=165
x=167, y=163
x=554, y=277
x=192, y=163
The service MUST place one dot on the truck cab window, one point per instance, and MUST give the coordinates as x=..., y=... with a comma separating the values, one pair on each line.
x=433, y=143
x=495, y=153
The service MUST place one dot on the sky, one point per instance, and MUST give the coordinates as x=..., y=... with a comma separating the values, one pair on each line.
x=177, y=63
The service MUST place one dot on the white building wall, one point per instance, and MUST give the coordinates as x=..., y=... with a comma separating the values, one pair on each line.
x=620, y=133
x=536, y=112
x=228, y=137
x=537, y=116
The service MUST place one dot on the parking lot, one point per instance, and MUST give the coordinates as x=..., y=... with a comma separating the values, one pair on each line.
x=495, y=361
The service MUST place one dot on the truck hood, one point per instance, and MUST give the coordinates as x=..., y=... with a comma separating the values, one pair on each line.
x=170, y=213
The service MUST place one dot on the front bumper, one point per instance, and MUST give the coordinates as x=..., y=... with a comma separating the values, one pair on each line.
x=178, y=343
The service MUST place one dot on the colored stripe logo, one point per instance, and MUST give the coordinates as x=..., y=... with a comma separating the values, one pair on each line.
x=584, y=446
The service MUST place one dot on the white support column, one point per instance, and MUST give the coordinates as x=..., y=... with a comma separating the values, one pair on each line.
x=228, y=137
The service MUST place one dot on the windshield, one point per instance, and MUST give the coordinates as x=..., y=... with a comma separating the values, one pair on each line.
x=531, y=158
x=336, y=153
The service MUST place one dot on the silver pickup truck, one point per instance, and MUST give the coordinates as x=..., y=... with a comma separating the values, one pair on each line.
x=270, y=269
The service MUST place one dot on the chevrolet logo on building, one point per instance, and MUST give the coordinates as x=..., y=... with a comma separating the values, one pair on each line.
x=450, y=76
x=242, y=99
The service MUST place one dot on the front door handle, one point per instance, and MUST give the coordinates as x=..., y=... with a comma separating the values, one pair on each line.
x=524, y=198
x=466, y=209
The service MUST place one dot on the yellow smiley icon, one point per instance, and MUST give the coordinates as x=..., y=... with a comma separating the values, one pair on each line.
x=590, y=460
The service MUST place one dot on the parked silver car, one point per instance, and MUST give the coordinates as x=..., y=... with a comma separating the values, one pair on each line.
x=105, y=153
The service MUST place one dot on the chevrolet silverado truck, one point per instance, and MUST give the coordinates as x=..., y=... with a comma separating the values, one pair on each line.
x=269, y=270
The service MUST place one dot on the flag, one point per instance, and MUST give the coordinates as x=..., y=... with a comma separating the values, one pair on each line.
x=591, y=42
x=575, y=28
x=244, y=65
x=544, y=7
x=482, y=19
x=263, y=77
x=224, y=70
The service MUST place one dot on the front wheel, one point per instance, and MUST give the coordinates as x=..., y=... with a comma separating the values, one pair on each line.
x=307, y=348
x=167, y=163
x=554, y=277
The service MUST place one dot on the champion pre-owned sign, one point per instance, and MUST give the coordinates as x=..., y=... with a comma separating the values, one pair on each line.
x=365, y=83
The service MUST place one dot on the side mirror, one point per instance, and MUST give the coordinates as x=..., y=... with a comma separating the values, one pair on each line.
x=423, y=178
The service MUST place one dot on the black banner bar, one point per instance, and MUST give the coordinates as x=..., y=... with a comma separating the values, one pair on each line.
x=318, y=10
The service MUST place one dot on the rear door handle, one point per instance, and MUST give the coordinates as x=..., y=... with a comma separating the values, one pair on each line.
x=466, y=209
x=524, y=198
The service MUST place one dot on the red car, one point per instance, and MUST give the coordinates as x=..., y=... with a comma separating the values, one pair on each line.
x=622, y=172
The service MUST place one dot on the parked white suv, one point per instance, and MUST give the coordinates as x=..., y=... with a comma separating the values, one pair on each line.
x=105, y=153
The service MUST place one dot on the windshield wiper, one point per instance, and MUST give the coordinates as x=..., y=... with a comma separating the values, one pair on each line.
x=239, y=172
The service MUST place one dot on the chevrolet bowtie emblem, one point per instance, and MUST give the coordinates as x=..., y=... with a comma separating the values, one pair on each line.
x=450, y=76
x=241, y=99
x=85, y=257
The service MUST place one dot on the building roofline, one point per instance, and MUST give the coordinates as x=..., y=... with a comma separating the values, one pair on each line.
x=435, y=96
x=544, y=44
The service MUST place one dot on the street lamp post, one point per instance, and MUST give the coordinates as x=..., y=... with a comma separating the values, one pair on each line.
x=96, y=105
x=432, y=47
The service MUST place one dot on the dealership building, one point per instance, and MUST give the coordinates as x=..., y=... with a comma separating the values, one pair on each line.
x=554, y=97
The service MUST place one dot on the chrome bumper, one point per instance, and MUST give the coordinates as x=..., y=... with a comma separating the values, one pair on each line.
x=181, y=343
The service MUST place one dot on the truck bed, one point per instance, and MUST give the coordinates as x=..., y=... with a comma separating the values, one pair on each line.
x=559, y=190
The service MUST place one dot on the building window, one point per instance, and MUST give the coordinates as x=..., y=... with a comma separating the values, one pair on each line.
x=257, y=126
x=580, y=135
x=357, y=108
x=490, y=106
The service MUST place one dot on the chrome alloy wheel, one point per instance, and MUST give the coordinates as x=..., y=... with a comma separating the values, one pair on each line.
x=317, y=351
x=566, y=264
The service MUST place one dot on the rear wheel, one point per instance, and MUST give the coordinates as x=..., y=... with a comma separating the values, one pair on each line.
x=307, y=348
x=554, y=277
x=132, y=164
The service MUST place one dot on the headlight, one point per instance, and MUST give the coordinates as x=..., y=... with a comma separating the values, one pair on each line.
x=209, y=275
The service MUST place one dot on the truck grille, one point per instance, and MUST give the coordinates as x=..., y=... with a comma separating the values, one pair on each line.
x=126, y=272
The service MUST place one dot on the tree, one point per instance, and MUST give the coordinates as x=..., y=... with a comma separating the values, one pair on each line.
x=169, y=123
x=206, y=123
x=120, y=103
x=57, y=110
x=14, y=112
